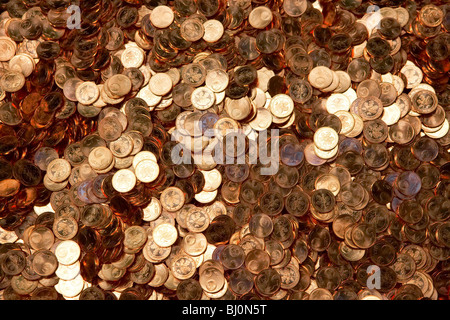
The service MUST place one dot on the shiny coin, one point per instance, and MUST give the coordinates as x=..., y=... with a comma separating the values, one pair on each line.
x=58, y=170
x=326, y=138
x=143, y=155
x=320, y=77
x=132, y=57
x=172, y=199
x=217, y=80
x=165, y=235
x=67, y=252
x=12, y=81
x=146, y=171
x=160, y=84
x=202, y=98
x=162, y=16
x=213, y=30
x=124, y=180
x=87, y=93
x=7, y=48
x=281, y=105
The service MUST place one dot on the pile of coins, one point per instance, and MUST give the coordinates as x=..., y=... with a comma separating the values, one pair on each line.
x=135, y=145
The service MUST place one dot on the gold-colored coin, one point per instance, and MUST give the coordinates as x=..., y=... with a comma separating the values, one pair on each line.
x=217, y=80
x=68, y=272
x=160, y=84
x=87, y=93
x=7, y=48
x=164, y=235
x=281, y=105
x=71, y=288
x=202, y=98
x=153, y=210
x=172, y=199
x=194, y=244
x=147, y=171
x=326, y=138
x=320, y=77
x=59, y=170
x=67, y=252
x=192, y=29
x=162, y=17
x=260, y=17
x=12, y=81
x=132, y=57
x=100, y=158
x=337, y=102
x=213, y=30
x=117, y=86
x=124, y=180
x=135, y=237
x=183, y=267
x=213, y=179
x=22, y=62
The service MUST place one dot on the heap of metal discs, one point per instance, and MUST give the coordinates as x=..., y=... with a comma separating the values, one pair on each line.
x=224, y=149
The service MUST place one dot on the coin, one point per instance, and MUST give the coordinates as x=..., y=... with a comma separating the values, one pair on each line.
x=160, y=84
x=320, y=77
x=100, y=158
x=8, y=48
x=162, y=16
x=172, y=199
x=132, y=57
x=213, y=30
x=67, y=252
x=87, y=93
x=202, y=98
x=260, y=17
x=164, y=235
x=326, y=138
x=147, y=171
x=12, y=81
x=124, y=180
x=58, y=170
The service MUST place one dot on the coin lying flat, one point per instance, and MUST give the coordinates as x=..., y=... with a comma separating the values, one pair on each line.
x=160, y=84
x=7, y=48
x=87, y=93
x=12, y=81
x=326, y=138
x=124, y=180
x=164, y=235
x=146, y=171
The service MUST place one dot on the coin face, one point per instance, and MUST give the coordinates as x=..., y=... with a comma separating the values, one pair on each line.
x=281, y=105
x=124, y=180
x=183, y=267
x=192, y=29
x=67, y=252
x=7, y=48
x=132, y=57
x=165, y=235
x=12, y=81
x=100, y=158
x=172, y=199
x=217, y=80
x=147, y=171
x=160, y=84
x=213, y=30
x=320, y=77
x=202, y=98
x=58, y=170
x=87, y=93
x=162, y=16
x=326, y=138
